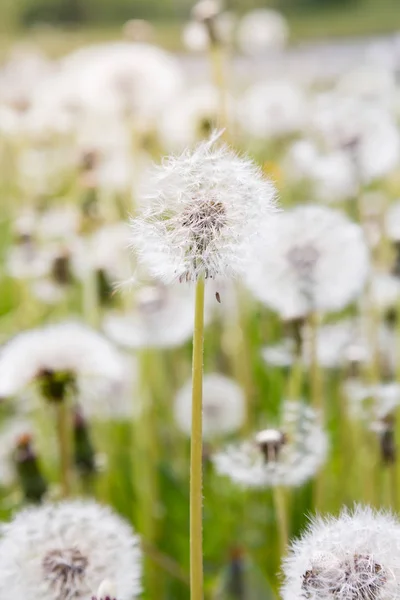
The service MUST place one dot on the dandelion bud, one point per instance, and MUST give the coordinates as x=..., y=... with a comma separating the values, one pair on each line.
x=352, y=557
x=32, y=481
x=84, y=454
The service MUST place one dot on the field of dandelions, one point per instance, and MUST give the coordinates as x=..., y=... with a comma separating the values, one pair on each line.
x=127, y=191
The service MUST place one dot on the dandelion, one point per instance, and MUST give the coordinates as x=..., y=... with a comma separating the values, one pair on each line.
x=58, y=359
x=314, y=260
x=65, y=551
x=162, y=317
x=192, y=117
x=351, y=557
x=203, y=215
x=285, y=456
x=272, y=110
x=223, y=406
x=261, y=30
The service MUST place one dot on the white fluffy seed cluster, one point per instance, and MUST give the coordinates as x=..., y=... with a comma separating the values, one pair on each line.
x=314, y=259
x=355, y=556
x=288, y=455
x=65, y=551
x=223, y=406
x=202, y=214
x=64, y=347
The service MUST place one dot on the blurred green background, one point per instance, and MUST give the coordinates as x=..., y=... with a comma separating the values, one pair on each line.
x=42, y=20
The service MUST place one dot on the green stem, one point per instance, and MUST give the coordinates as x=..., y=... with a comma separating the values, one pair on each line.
x=64, y=445
x=281, y=517
x=196, y=450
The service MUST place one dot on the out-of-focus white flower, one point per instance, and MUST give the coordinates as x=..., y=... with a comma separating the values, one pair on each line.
x=270, y=110
x=223, y=406
x=195, y=36
x=351, y=557
x=314, y=259
x=337, y=345
x=261, y=30
x=161, y=318
x=371, y=403
x=392, y=221
x=191, y=117
x=139, y=78
x=65, y=551
x=68, y=348
x=332, y=175
x=205, y=210
x=360, y=128
x=22, y=72
x=373, y=84
x=106, y=251
x=288, y=455
x=384, y=290
x=58, y=222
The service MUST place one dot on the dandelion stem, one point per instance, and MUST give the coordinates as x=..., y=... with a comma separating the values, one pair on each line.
x=196, y=450
x=63, y=433
x=217, y=63
x=281, y=517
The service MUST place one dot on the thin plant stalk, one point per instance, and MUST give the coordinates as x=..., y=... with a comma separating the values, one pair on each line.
x=217, y=65
x=281, y=517
x=196, y=450
x=64, y=446
x=315, y=371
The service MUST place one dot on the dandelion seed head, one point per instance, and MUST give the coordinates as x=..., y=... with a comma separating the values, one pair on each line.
x=162, y=317
x=57, y=356
x=315, y=259
x=351, y=557
x=203, y=213
x=223, y=406
x=288, y=455
x=64, y=552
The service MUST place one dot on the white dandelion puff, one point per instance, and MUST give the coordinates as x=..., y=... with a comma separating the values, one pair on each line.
x=204, y=212
x=162, y=317
x=262, y=30
x=288, y=455
x=314, y=259
x=65, y=551
x=223, y=406
x=69, y=349
x=352, y=557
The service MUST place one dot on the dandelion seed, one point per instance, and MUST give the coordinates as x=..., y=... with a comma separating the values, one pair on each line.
x=204, y=212
x=65, y=551
x=351, y=557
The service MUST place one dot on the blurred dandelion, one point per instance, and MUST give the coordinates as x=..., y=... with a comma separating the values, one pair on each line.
x=286, y=456
x=65, y=551
x=354, y=556
x=314, y=260
x=223, y=406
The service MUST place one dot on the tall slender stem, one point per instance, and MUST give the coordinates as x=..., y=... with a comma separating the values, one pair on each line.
x=64, y=445
x=281, y=517
x=196, y=450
